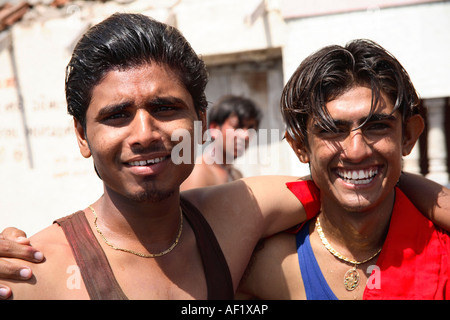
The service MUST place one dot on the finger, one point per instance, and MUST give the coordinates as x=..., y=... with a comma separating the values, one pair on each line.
x=11, y=249
x=5, y=292
x=13, y=271
x=15, y=234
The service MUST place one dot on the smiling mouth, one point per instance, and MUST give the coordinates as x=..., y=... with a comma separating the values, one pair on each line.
x=141, y=163
x=360, y=176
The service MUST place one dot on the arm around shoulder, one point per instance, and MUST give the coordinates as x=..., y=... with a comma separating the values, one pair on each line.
x=431, y=198
x=285, y=201
x=51, y=278
x=14, y=244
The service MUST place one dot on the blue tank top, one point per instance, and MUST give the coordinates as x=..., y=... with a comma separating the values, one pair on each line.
x=316, y=287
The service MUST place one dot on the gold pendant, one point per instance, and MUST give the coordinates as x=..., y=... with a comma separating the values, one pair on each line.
x=351, y=279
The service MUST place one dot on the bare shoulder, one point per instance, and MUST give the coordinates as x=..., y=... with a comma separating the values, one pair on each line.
x=229, y=208
x=272, y=271
x=45, y=237
x=242, y=212
x=255, y=206
x=51, y=277
x=270, y=253
x=267, y=191
x=264, y=182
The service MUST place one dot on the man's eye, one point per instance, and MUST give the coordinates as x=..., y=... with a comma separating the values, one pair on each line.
x=165, y=108
x=115, y=118
x=332, y=131
x=378, y=126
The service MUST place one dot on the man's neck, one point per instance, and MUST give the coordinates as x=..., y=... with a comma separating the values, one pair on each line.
x=356, y=234
x=152, y=224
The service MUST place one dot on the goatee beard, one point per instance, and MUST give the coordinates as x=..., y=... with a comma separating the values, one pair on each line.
x=151, y=196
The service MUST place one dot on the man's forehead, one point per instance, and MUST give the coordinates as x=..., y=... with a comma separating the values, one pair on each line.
x=248, y=122
x=234, y=121
x=146, y=79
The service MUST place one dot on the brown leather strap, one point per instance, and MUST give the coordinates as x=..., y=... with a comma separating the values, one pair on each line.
x=217, y=273
x=94, y=267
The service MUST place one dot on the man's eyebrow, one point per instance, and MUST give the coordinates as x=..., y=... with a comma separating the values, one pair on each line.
x=169, y=100
x=158, y=101
x=339, y=123
x=379, y=117
x=113, y=108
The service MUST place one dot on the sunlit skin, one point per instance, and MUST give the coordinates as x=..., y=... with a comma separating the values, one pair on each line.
x=134, y=122
x=237, y=219
x=129, y=125
x=357, y=168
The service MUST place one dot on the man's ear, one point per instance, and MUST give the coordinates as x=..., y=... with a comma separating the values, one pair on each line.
x=299, y=148
x=413, y=129
x=81, y=139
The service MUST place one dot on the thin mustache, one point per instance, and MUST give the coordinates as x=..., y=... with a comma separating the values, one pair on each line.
x=151, y=149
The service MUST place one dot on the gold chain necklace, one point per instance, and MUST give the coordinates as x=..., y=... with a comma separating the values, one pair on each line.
x=351, y=277
x=143, y=255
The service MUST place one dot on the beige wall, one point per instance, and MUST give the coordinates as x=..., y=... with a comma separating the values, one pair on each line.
x=417, y=35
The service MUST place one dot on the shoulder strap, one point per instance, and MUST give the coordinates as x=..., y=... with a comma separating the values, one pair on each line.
x=316, y=287
x=97, y=273
x=95, y=269
x=217, y=273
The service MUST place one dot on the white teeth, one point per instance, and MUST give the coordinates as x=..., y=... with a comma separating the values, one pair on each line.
x=145, y=162
x=361, y=175
x=358, y=176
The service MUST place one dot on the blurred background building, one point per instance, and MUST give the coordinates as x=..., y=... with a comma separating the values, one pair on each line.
x=251, y=48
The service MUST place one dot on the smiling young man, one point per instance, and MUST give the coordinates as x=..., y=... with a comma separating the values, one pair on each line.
x=352, y=113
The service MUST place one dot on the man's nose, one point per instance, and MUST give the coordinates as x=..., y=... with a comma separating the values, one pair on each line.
x=356, y=147
x=143, y=129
